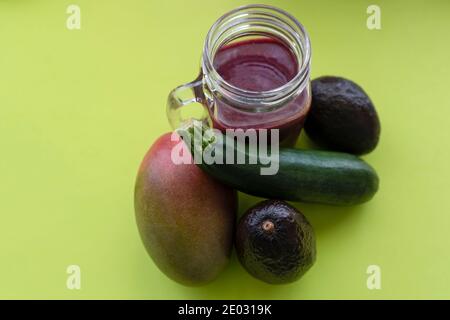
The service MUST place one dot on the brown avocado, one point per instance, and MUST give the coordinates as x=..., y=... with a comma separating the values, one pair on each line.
x=342, y=116
x=275, y=243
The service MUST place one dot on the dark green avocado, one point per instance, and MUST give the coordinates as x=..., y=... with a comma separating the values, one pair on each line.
x=275, y=243
x=342, y=116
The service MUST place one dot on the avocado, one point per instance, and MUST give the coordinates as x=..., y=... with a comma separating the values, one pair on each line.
x=342, y=116
x=275, y=243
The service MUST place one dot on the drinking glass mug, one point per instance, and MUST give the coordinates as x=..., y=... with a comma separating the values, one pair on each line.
x=229, y=107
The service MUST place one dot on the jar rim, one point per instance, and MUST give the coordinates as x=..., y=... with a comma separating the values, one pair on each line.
x=272, y=95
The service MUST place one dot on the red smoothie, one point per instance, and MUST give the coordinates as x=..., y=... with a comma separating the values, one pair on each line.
x=259, y=65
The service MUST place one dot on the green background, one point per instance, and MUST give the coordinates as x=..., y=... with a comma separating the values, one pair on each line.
x=78, y=110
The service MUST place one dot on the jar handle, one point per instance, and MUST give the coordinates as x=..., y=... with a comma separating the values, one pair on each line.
x=182, y=96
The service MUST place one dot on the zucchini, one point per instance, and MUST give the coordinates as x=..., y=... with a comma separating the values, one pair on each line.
x=303, y=175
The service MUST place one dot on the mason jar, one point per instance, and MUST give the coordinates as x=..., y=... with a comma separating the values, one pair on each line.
x=255, y=74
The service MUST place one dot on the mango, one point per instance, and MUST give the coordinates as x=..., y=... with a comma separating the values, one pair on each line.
x=185, y=218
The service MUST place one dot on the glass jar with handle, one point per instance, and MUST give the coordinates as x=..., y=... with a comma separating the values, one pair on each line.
x=255, y=74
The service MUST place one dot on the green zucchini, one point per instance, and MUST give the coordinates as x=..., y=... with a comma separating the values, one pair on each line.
x=304, y=175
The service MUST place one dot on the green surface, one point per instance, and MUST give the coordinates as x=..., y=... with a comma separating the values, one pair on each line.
x=78, y=110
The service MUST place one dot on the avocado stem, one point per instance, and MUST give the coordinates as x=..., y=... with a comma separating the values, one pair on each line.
x=268, y=226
